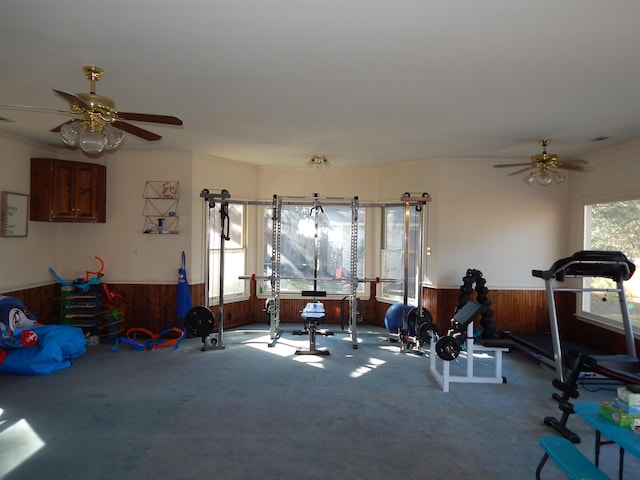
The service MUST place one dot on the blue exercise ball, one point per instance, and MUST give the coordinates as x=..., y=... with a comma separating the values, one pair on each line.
x=393, y=318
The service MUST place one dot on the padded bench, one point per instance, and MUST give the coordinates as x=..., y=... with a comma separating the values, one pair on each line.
x=569, y=459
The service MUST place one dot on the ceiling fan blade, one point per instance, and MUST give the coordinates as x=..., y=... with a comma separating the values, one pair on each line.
x=522, y=170
x=572, y=161
x=137, y=131
x=73, y=99
x=29, y=107
x=147, y=117
x=577, y=168
x=503, y=165
x=59, y=127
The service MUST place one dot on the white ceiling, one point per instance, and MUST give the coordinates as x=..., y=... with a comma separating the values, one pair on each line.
x=364, y=82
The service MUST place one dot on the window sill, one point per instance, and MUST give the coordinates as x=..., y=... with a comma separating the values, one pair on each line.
x=605, y=323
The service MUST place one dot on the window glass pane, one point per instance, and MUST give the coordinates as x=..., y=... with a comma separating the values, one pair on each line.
x=300, y=248
x=613, y=226
x=233, y=268
x=234, y=252
x=393, y=242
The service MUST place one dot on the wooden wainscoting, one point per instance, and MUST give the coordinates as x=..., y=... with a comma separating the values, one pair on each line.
x=518, y=311
x=39, y=301
x=153, y=307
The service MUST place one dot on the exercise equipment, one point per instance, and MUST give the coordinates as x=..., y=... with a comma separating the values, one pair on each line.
x=344, y=311
x=349, y=279
x=473, y=281
x=613, y=265
x=313, y=315
x=316, y=204
x=202, y=316
x=200, y=322
x=625, y=368
x=394, y=316
x=449, y=347
x=414, y=319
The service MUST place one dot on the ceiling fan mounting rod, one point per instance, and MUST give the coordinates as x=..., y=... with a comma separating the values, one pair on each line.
x=93, y=74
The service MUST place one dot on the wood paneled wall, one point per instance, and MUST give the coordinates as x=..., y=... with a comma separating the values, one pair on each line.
x=520, y=311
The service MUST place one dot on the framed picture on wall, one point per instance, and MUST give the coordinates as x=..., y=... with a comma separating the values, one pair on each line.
x=14, y=214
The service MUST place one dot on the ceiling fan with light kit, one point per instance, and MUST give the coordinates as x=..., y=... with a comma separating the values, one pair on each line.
x=96, y=125
x=545, y=168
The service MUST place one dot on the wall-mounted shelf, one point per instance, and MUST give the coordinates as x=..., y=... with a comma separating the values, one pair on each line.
x=161, y=207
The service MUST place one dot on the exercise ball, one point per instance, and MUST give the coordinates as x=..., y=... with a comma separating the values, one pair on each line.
x=393, y=318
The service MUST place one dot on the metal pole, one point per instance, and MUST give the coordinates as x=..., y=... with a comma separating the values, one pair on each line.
x=405, y=290
x=224, y=236
x=419, y=252
x=353, y=300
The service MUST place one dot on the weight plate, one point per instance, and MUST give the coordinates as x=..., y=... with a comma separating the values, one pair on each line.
x=199, y=321
x=447, y=348
x=427, y=331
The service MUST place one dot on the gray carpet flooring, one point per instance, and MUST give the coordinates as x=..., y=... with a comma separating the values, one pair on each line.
x=251, y=411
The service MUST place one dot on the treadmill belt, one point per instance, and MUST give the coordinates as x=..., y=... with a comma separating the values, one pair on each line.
x=542, y=344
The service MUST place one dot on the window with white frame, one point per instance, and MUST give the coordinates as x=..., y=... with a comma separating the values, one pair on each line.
x=298, y=266
x=393, y=243
x=234, y=253
x=612, y=225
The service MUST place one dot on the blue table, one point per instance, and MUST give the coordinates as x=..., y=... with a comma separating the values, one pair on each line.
x=624, y=437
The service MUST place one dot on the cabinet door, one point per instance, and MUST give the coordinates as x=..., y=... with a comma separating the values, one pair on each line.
x=89, y=190
x=64, y=191
x=62, y=198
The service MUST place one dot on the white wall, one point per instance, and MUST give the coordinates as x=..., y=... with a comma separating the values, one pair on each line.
x=479, y=217
x=24, y=262
x=303, y=181
x=130, y=256
x=497, y=224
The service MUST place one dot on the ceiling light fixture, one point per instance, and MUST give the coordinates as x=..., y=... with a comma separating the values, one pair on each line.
x=544, y=176
x=92, y=134
x=318, y=162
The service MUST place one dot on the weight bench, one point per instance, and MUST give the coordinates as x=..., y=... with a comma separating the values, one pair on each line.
x=569, y=459
x=313, y=315
x=448, y=347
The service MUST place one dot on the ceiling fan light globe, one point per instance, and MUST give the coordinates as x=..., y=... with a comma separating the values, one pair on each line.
x=529, y=179
x=558, y=177
x=91, y=143
x=70, y=133
x=113, y=137
x=544, y=179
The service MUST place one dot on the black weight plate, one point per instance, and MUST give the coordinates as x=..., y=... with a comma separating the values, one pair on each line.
x=427, y=331
x=447, y=348
x=199, y=321
x=412, y=316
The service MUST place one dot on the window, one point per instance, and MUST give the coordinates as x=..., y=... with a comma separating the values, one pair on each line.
x=612, y=226
x=298, y=248
x=393, y=242
x=234, y=253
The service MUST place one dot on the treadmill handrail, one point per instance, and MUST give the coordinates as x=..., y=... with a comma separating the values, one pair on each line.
x=590, y=263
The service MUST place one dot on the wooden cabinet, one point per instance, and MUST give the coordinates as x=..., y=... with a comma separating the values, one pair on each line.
x=64, y=191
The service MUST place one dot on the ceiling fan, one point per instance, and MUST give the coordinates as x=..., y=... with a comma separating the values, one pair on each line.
x=545, y=167
x=97, y=125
